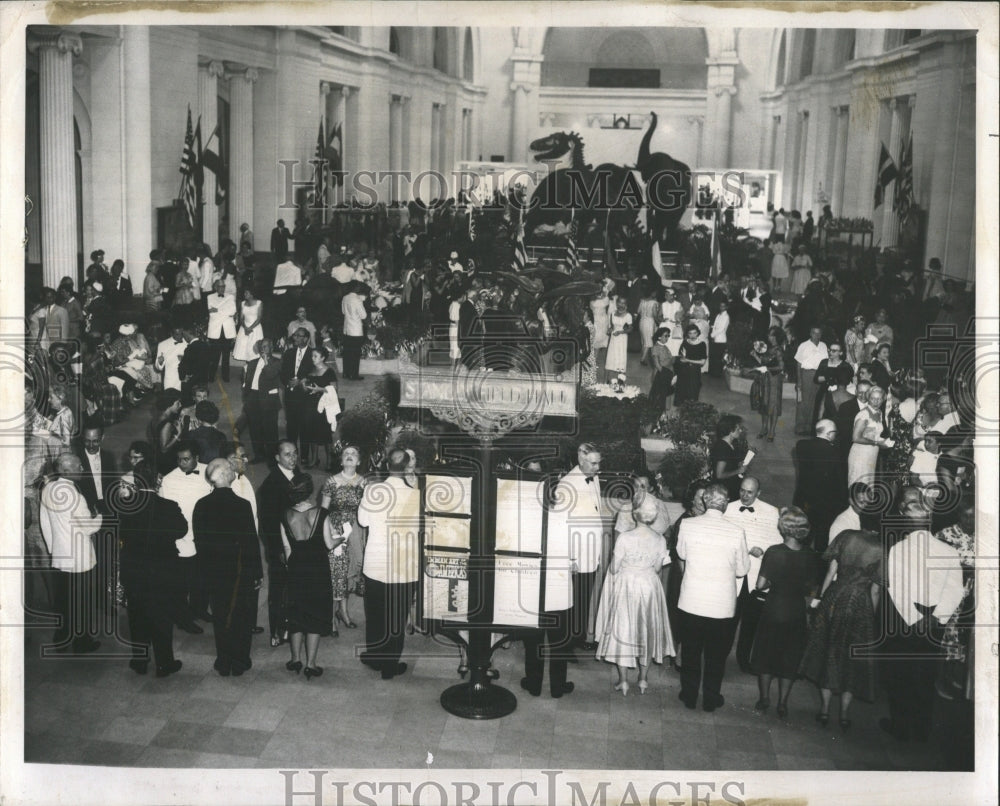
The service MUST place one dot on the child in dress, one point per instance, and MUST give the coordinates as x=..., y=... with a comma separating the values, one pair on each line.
x=779, y=266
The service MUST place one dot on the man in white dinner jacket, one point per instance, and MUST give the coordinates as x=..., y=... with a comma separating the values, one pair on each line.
x=221, y=328
x=760, y=524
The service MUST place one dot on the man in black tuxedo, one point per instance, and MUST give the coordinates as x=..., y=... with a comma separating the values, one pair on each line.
x=279, y=241
x=100, y=471
x=846, y=413
x=296, y=364
x=226, y=536
x=272, y=501
x=262, y=401
x=720, y=293
x=196, y=363
x=821, y=486
x=120, y=292
x=149, y=527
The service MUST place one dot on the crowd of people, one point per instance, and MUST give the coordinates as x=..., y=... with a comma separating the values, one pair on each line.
x=793, y=587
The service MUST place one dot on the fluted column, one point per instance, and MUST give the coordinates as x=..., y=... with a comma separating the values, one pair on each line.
x=58, y=174
x=208, y=104
x=839, y=161
x=435, y=135
x=138, y=155
x=395, y=133
x=697, y=123
x=241, y=150
x=723, y=125
x=519, y=122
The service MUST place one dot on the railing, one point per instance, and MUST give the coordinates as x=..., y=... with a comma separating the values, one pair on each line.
x=595, y=258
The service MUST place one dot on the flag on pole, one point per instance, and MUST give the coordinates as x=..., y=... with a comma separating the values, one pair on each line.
x=716, y=268
x=319, y=170
x=334, y=155
x=572, y=255
x=520, y=252
x=190, y=170
x=657, y=259
x=886, y=173
x=213, y=158
x=904, y=183
x=472, y=222
x=610, y=264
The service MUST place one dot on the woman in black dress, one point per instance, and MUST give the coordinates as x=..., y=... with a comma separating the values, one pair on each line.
x=317, y=430
x=691, y=357
x=788, y=574
x=767, y=368
x=308, y=538
x=725, y=457
x=832, y=377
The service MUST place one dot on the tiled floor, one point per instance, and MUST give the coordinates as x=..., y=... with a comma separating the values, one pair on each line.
x=96, y=711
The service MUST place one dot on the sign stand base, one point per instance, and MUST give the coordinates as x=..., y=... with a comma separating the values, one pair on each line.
x=479, y=698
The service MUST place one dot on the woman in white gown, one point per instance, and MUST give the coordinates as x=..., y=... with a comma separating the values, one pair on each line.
x=698, y=315
x=866, y=439
x=250, y=330
x=619, y=328
x=632, y=623
x=600, y=306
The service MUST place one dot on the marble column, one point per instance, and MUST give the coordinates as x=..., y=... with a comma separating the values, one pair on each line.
x=58, y=169
x=723, y=126
x=519, y=123
x=698, y=124
x=138, y=153
x=395, y=133
x=32, y=180
x=801, y=191
x=772, y=146
x=839, y=161
x=435, y=137
x=208, y=105
x=241, y=152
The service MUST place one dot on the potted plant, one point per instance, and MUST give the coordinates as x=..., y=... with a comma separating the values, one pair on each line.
x=739, y=344
x=682, y=465
x=366, y=425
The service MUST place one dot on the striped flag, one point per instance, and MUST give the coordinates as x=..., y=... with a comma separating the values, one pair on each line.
x=904, y=184
x=319, y=177
x=191, y=183
x=213, y=158
x=572, y=255
x=886, y=173
x=520, y=253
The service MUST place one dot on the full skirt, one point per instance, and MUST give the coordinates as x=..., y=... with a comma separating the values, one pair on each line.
x=243, y=348
x=632, y=623
x=861, y=463
x=617, y=360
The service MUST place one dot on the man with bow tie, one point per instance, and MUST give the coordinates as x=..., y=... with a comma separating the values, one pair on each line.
x=261, y=401
x=760, y=524
x=296, y=364
x=169, y=353
x=186, y=485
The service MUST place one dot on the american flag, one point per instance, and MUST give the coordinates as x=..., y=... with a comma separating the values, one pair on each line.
x=319, y=179
x=572, y=256
x=904, y=183
x=520, y=253
x=190, y=170
x=886, y=173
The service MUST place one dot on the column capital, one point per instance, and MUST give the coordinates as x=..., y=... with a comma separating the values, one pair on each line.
x=214, y=69
x=345, y=92
x=520, y=85
x=696, y=120
x=725, y=89
x=63, y=41
x=325, y=88
x=840, y=111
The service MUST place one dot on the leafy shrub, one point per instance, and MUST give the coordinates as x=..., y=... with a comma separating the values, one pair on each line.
x=366, y=425
x=682, y=465
x=691, y=423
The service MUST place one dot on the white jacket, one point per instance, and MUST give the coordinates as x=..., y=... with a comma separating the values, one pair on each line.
x=67, y=527
x=222, y=322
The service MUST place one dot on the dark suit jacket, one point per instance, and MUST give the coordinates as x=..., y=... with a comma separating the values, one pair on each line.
x=288, y=366
x=718, y=295
x=197, y=361
x=820, y=488
x=211, y=442
x=109, y=474
x=272, y=501
x=147, y=532
x=270, y=379
x=120, y=297
x=845, y=425
x=226, y=538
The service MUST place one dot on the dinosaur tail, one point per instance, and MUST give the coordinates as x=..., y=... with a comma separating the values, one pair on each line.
x=646, y=138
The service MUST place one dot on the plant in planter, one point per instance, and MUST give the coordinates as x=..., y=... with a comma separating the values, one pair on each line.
x=739, y=344
x=423, y=447
x=681, y=466
x=366, y=425
x=691, y=424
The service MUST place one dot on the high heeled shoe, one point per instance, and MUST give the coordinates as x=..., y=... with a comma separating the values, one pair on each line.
x=622, y=686
x=845, y=724
x=823, y=719
x=463, y=670
x=343, y=620
x=761, y=706
x=643, y=686
x=294, y=666
x=311, y=672
x=781, y=710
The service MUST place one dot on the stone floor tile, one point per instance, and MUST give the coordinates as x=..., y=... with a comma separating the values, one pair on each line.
x=111, y=754
x=133, y=729
x=201, y=709
x=178, y=735
x=634, y=755
x=237, y=741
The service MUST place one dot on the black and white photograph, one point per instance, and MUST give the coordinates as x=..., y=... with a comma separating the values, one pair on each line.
x=498, y=403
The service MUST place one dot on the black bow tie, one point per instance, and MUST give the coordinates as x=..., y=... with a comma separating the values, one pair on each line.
x=746, y=509
x=191, y=473
x=589, y=479
x=179, y=342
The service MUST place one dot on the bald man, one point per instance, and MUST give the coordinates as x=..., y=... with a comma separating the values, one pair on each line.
x=821, y=483
x=68, y=525
x=225, y=533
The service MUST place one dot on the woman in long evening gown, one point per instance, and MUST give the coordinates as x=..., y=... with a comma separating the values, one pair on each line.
x=317, y=428
x=308, y=537
x=632, y=626
x=250, y=330
x=845, y=618
x=866, y=439
x=692, y=355
x=341, y=495
x=616, y=362
x=649, y=311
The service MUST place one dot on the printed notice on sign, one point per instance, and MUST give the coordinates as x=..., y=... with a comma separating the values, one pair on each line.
x=520, y=516
x=516, y=589
x=446, y=586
